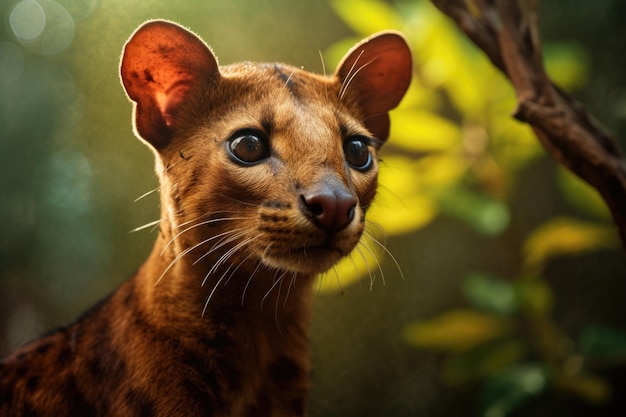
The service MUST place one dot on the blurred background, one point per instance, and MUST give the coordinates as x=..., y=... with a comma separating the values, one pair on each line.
x=507, y=293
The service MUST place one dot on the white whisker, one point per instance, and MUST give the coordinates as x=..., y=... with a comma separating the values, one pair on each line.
x=272, y=287
x=249, y=281
x=144, y=195
x=292, y=283
x=145, y=226
x=280, y=286
x=384, y=248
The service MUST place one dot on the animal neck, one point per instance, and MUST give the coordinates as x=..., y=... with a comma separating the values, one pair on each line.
x=189, y=292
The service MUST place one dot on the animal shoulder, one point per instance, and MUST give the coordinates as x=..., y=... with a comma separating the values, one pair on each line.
x=266, y=173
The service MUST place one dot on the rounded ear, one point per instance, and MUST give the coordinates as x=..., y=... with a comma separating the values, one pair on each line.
x=376, y=73
x=161, y=63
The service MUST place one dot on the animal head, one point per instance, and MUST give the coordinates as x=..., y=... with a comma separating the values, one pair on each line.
x=263, y=162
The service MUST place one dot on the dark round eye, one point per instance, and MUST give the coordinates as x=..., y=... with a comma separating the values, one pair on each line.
x=248, y=147
x=357, y=153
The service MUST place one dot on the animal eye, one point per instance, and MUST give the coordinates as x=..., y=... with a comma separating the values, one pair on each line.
x=248, y=147
x=357, y=153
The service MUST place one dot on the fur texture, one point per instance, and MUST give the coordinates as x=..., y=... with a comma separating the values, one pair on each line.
x=266, y=174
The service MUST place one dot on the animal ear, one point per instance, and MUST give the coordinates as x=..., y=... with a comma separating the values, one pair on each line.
x=376, y=73
x=161, y=64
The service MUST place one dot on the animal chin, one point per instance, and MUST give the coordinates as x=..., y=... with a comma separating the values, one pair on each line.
x=307, y=260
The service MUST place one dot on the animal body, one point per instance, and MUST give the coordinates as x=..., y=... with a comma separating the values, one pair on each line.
x=266, y=173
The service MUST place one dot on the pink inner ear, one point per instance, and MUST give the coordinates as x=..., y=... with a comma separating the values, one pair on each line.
x=168, y=102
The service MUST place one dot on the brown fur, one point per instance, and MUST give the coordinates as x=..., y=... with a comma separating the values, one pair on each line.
x=215, y=322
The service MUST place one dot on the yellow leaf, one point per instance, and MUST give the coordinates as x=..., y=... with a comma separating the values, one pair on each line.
x=591, y=388
x=400, y=205
x=440, y=170
x=367, y=16
x=566, y=236
x=423, y=131
x=456, y=331
x=418, y=95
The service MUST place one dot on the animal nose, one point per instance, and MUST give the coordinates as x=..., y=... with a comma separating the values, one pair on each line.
x=331, y=209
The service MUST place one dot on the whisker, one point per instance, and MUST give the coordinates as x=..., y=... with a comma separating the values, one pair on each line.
x=144, y=195
x=338, y=281
x=280, y=286
x=279, y=279
x=372, y=275
x=349, y=75
x=348, y=81
x=323, y=72
x=206, y=304
x=228, y=237
x=186, y=251
x=249, y=281
x=289, y=78
x=198, y=225
x=384, y=248
x=225, y=256
x=145, y=226
x=179, y=256
x=373, y=255
x=292, y=283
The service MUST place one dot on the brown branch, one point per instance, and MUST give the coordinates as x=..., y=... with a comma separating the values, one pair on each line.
x=508, y=32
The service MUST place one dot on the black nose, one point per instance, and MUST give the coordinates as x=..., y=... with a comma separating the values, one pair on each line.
x=331, y=208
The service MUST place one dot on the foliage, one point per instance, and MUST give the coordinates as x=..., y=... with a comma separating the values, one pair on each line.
x=456, y=152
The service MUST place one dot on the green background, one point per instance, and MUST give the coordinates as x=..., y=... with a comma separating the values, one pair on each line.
x=71, y=170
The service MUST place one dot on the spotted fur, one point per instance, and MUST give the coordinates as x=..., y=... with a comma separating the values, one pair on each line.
x=257, y=197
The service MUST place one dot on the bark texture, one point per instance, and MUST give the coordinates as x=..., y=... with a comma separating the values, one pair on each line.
x=508, y=32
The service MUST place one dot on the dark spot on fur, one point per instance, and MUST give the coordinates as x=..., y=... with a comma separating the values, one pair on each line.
x=281, y=205
x=140, y=402
x=42, y=349
x=64, y=355
x=204, y=401
x=147, y=76
x=32, y=383
x=274, y=230
x=6, y=393
x=288, y=79
x=21, y=372
x=284, y=370
x=76, y=401
x=273, y=218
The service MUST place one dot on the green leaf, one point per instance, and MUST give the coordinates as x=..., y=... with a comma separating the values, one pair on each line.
x=490, y=294
x=566, y=63
x=457, y=331
x=507, y=390
x=581, y=195
x=367, y=16
x=535, y=296
x=483, y=361
x=603, y=341
x=486, y=215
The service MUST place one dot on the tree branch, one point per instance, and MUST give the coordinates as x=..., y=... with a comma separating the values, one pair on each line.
x=508, y=32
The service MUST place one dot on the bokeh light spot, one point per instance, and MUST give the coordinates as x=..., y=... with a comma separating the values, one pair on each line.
x=44, y=26
x=79, y=9
x=27, y=20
